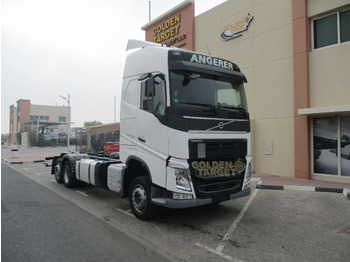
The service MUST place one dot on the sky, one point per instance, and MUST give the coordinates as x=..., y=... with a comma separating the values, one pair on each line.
x=52, y=48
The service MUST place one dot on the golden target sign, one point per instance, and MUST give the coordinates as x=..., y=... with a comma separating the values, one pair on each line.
x=218, y=168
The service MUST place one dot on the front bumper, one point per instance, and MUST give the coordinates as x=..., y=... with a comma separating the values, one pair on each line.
x=186, y=203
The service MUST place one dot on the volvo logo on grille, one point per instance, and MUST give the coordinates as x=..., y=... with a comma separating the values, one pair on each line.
x=196, y=141
x=221, y=125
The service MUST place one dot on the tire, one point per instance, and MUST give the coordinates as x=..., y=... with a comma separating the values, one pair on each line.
x=69, y=179
x=53, y=142
x=58, y=172
x=140, y=199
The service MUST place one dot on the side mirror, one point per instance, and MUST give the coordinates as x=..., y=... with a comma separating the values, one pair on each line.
x=189, y=77
x=149, y=92
x=150, y=88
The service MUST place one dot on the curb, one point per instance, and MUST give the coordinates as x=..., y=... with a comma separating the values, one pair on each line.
x=344, y=191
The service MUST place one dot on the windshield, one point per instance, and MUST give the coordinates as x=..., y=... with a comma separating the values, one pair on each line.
x=207, y=95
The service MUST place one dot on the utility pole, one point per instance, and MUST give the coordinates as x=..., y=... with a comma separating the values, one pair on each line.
x=69, y=116
x=115, y=109
x=149, y=10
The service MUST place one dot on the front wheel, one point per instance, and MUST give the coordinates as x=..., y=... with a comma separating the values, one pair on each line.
x=140, y=199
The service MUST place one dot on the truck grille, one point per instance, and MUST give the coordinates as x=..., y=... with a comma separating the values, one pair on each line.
x=219, y=187
x=211, y=149
x=217, y=167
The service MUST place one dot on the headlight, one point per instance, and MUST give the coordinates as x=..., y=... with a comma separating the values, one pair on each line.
x=182, y=179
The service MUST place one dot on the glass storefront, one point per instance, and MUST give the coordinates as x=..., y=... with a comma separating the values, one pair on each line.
x=331, y=135
x=345, y=145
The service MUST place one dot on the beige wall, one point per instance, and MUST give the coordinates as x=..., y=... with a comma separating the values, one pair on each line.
x=93, y=130
x=317, y=7
x=329, y=76
x=265, y=55
x=329, y=66
x=54, y=112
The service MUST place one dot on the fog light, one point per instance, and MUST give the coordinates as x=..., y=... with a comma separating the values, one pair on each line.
x=182, y=196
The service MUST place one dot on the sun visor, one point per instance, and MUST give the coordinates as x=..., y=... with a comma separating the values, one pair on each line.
x=190, y=61
x=207, y=69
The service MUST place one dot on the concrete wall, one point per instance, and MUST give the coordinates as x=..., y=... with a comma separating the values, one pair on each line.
x=318, y=7
x=54, y=112
x=265, y=55
x=329, y=76
x=329, y=66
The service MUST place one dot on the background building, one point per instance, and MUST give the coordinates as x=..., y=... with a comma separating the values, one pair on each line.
x=26, y=116
x=98, y=136
x=296, y=57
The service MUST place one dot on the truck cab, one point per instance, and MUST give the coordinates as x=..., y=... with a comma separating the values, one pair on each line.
x=184, y=129
x=184, y=134
x=49, y=134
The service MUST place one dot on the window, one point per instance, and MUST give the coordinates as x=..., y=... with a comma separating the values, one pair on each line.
x=62, y=119
x=332, y=29
x=132, y=92
x=325, y=145
x=206, y=95
x=325, y=31
x=32, y=118
x=345, y=26
x=153, y=97
x=331, y=145
x=345, y=145
x=159, y=97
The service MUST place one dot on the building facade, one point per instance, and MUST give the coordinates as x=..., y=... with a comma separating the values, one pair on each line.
x=296, y=57
x=24, y=115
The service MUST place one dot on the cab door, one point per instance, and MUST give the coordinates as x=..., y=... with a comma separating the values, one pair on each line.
x=130, y=105
x=152, y=135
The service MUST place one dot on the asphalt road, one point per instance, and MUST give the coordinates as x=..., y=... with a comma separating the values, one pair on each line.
x=39, y=225
x=268, y=225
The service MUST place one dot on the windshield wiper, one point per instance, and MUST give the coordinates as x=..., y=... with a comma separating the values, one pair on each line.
x=211, y=107
x=237, y=108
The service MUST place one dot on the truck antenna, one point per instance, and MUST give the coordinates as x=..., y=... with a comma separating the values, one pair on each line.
x=208, y=48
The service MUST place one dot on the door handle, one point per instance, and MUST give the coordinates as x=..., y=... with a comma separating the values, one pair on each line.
x=142, y=140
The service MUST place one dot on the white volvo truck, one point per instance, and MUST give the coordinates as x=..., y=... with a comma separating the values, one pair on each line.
x=185, y=136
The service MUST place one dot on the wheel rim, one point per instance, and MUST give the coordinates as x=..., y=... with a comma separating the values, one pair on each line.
x=139, y=198
x=66, y=174
x=57, y=170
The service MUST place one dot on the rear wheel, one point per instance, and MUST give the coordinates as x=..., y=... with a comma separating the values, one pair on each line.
x=58, y=172
x=69, y=179
x=140, y=199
